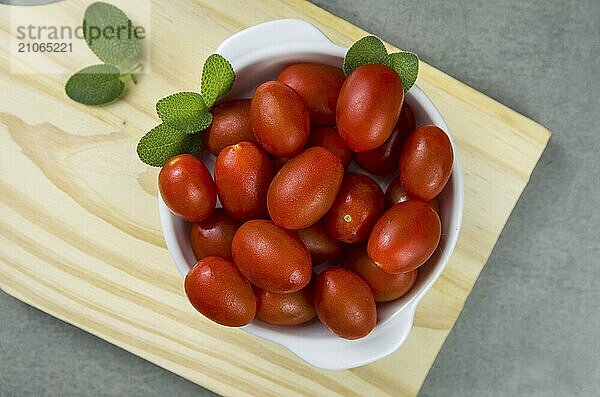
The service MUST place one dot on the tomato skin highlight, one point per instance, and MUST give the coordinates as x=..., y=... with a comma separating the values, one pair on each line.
x=212, y=236
x=344, y=303
x=319, y=86
x=230, y=125
x=426, y=162
x=187, y=188
x=386, y=287
x=358, y=205
x=369, y=106
x=271, y=257
x=304, y=188
x=216, y=288
x=279, y=119
x=404, y=237
x=243, y=173
x=384, y=159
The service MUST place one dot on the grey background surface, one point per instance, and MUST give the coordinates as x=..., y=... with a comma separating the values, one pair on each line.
x=531, y=325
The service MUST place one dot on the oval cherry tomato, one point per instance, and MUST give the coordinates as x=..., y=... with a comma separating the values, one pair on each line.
x=395, y=194
x=243, y=173
x=285, y=309
x=217, y=289
x=320, y=244
x=230, y=125
x=319, y=85
x=385, y=287
x=344, y=303
x=426, y=162
x=279, y=119
x=383, y=159
x=369, y=106
x=187, y=188
x=270, y=257
x=212, y=236
x=358, y=205
x=404, y=237
x=304, y=189
x=329, y=138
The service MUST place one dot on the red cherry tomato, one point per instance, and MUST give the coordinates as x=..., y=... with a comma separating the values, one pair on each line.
x=285, y=309
x=344, y=303
x=304, y=189
x=319, y=85
x=230, y=125
x=243, y=173
x=279, y=119
x=329, y=138
x=395, y=194
x=385, y=287
x=357, y=206
x=187, y=188
x=270, y=257
x=426, y=162
x=212, y=236
x=320, y=244
x=369, y=106
x=404, y=237
x=217, y=289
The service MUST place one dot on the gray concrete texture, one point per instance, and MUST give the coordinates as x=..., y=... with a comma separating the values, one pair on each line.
x=530, y=327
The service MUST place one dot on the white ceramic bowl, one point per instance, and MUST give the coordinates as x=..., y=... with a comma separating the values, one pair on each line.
x=258, y=54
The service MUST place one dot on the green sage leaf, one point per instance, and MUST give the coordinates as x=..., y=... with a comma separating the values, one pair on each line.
x=109, y=33
x=369, y=49
x=163, y=142
x=95, y=85
x=217, y=79
x=184, y=111
x=407, y=65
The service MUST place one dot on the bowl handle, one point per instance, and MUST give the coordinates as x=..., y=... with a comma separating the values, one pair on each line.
x=277, y=32
x=384, y=340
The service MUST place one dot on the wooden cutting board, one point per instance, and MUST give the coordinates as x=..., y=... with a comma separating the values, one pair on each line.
x=79, y=229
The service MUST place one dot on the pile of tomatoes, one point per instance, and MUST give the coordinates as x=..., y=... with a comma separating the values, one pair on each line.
x=289, y=204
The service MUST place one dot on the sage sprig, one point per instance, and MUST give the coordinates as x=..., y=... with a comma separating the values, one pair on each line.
x=185, y=115
x=103, y=83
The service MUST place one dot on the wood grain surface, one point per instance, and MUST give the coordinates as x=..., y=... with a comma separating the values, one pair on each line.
x=79, y=229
